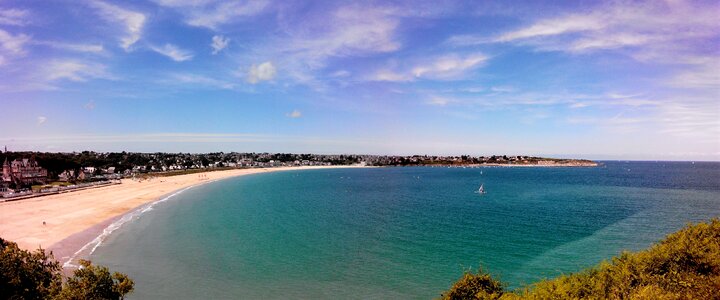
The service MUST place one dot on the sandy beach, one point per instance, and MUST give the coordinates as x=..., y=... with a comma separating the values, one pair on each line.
x=73, y=219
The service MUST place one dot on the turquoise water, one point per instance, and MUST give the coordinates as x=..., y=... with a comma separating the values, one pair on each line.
x=401, y=233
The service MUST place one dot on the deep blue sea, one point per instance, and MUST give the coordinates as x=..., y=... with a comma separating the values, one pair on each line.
x=401, y=232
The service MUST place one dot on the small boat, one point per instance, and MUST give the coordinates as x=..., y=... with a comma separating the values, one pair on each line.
x=481, y=190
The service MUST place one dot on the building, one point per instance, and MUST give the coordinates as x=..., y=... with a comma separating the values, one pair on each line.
x=23, y=172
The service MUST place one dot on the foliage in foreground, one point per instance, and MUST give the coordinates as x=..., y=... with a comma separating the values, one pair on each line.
x=686, y=265
x=35, y=275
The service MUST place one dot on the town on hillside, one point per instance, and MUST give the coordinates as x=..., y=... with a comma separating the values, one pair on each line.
x=28, y=173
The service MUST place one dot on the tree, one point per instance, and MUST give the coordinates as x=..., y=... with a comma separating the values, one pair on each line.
x=25, y=274
x=36, y=275
x=95, y=282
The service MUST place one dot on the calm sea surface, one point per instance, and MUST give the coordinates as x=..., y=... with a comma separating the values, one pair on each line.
x=401, y=233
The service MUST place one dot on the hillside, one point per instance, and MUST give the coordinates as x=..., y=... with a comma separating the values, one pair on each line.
x=685, y=265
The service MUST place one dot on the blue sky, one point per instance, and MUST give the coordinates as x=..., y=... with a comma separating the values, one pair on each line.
x=619, y=80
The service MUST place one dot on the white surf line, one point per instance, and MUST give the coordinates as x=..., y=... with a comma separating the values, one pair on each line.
x=95, y=243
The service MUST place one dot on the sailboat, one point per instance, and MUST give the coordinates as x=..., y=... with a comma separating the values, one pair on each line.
x=481, y=190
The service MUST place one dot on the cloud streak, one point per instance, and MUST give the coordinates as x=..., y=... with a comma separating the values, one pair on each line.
x=173, y=52
x=14, y=17
x=214, y=14
x=75, y=70
x=445, y=67
x=132, y=22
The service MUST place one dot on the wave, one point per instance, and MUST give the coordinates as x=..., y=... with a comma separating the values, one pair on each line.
x=130, y=216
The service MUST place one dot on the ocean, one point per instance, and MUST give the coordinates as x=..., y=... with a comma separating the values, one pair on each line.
x=400, y=232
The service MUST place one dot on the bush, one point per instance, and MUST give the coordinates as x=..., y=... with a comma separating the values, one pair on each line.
x=475, y=286
x=686, y=265
x=35, y=275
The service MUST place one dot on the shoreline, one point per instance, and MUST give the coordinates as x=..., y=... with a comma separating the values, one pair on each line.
x=67, y=224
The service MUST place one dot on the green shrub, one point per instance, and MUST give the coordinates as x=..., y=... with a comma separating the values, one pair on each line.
x=475, y=286
x=685, y=265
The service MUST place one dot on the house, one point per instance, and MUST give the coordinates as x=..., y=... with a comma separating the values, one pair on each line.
x=23, y=172
x=67, y=175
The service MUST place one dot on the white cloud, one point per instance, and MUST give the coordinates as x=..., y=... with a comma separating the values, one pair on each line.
x=388, y=75
x=438, y=101
x=687, y=117
x=201, y=80
x=225, y=12
x=353, y=31
x=704, y=74
x=13, y=44
x=450, y=66
x=90, y=105
x=214, y=13
x=307, y=43
x=645, y=27
x=569, y=24
x=173, y=52
x=87, y=48
x=14, y=17
x=294, y=114
x=445, y=67
x=219, y=43
x=502, y=89
x=132, y=21
x=41, y=120
x=262, y=72
x=340, y=74
x=75, y=71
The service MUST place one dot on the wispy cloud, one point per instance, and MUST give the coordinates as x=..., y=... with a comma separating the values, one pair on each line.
x=14, y=17
x=196, y=80
x=294, y=114
x=13, y=44
x=76, y=47
x=705, y=74
x=213, y=13
x=445, y=67
x=173, y=52
x=439, y=101
x=348, y=31
x=75, y=70
x=41, y=120
x=262, y=72
x=219, y=43
x=646, y=26
x=131, y=21
x=691, y=118
x=90, y=105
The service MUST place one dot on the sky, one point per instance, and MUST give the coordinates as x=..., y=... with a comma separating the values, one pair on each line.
x=586, y=79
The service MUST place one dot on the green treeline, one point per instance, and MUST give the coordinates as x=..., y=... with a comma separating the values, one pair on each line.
x=36, y=275
x=686, y=265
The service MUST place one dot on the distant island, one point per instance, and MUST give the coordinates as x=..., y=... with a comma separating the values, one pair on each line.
x=24, y=173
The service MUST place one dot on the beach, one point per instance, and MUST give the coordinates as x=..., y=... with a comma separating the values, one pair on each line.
x=64, y=223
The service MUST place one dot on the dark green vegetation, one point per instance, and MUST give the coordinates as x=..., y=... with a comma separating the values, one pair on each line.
x=35, y=275
x=686, y=265
x=56, y=163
